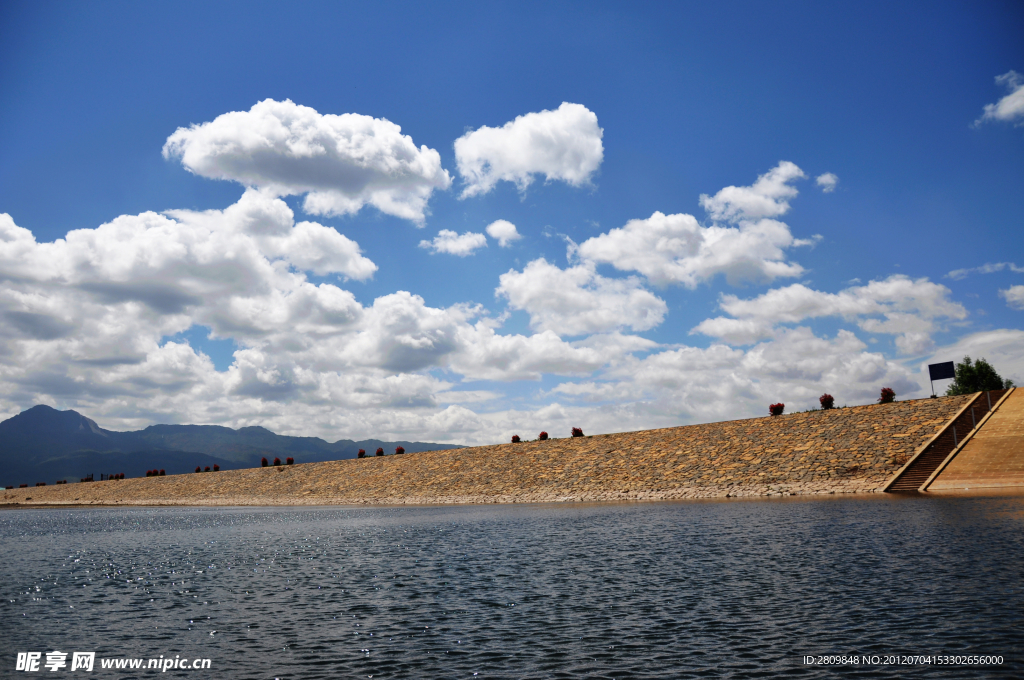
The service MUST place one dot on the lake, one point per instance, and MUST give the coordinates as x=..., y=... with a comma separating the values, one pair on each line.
x=887, y=586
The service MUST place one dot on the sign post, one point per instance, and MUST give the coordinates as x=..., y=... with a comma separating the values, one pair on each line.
x=941, y=371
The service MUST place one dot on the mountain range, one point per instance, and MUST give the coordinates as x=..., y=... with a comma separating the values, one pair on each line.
x=43, y=444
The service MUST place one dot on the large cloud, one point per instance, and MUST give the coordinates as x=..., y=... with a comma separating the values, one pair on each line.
x=341, y=162
x=577, y=300
x=897, y=305
x=85, y=322
x=676, y=249
x=564, y=144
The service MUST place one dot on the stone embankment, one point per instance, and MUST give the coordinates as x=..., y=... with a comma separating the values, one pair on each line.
x=848, y=450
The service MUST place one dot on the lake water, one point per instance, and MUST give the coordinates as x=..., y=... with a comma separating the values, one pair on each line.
x=736, y=589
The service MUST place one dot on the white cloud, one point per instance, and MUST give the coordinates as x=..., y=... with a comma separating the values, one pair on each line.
x=564, y=144
x=504, y=232
x=84, y=322
x=827, y=182
x=577, y=300
x=676, y=249
x=988, y=268
x=767, y=197
x=897, y=305
x=721, y=382
x=1014, y=296
x=450, y=242
x=341, y=162
x=1011, y=107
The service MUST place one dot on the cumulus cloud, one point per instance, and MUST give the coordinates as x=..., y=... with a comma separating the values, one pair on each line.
x=85, y=322
x=827, y=182
x=897, y=305
x=720, y=382
x=577, y=300
x=564, y=144
x=676, y=249
x=767, y=197
x=504, y=232
x=1009, y=109
x=450, y=242
x=340, y=162
x=1014, y=296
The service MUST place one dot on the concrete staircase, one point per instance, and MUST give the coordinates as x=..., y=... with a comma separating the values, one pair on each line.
x=935, y=453
x=993, y=457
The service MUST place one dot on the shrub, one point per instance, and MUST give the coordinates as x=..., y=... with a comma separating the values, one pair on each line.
x=399, y=450
x=577, y=432
x=516, y=439
x=542, y=436
x=776, y=409
x=216, y=468
x=149, y=473
x=888, y=396
x=826, y=401
x=40, y=483
x=8, y=487
x=206, y=469
x=289, y=461
x=264, y=462
x=23, y=486
x=380, y=451
x=162, y=473
x=199, y=469
x=277, y=462
x=361, y=454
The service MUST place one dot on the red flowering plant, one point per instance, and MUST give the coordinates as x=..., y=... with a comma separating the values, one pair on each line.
x=361, y=454
x=399, y=450
x=577, y=432
x=542, y=436
x=199, y=469
x=277, y=461
x=216, y=468
x=380, y=451
x=826, y=401
x=289, y=461
x=776, y=409
x=264, y=462
x=516, y=439
x=888, y=396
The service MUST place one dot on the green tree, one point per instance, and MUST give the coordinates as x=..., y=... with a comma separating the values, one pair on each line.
x=976, y=376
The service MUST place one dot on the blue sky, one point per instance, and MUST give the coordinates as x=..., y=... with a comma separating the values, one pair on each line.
x=212, y=216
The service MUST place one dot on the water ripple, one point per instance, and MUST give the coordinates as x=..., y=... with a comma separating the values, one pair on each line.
x=673, y=590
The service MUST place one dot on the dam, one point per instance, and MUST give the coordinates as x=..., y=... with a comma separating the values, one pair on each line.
x=936, y=445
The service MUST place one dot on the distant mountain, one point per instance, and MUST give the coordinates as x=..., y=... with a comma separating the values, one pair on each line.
x=43, y=444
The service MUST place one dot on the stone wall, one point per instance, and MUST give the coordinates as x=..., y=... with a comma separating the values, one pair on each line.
x=843, y=450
